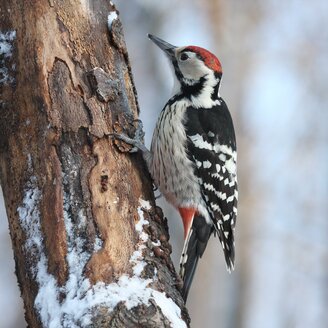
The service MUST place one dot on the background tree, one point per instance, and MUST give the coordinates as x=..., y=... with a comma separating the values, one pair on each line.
x=90, y=246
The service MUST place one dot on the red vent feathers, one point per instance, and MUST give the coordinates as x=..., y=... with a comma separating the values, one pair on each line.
x=209, y=59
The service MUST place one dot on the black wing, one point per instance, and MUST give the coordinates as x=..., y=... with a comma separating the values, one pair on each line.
x=212, y=147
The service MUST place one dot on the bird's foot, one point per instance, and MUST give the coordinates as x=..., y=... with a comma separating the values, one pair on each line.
x=137, y=141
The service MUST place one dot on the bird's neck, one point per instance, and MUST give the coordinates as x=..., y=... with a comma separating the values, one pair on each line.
x=203, y=93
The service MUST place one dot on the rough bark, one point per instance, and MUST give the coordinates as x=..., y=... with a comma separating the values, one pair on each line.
x=72, y=196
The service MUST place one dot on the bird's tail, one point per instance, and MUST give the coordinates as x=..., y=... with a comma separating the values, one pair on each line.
x=226, y=235
x=193, y=249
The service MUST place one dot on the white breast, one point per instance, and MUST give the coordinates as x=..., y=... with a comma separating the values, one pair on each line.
x=171, y=169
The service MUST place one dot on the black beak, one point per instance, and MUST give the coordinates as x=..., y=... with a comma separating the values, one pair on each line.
x=165, y=46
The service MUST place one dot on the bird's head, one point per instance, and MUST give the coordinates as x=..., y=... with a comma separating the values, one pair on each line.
x=195, y=68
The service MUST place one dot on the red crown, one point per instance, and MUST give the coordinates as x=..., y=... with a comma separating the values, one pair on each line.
x=209, y=59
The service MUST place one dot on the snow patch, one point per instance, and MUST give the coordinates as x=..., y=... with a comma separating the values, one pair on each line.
x=138, y=268
x=142, y=221
x=29, y=217
x=156, y=243
x=6, y=48
x=170, y=310
x=5, y=43
x=98, y=244
x=81, y=297
x=145, y=204
x=136, y=257
x=110, y=19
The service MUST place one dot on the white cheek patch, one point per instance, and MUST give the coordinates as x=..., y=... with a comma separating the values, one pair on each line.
x=193, y=69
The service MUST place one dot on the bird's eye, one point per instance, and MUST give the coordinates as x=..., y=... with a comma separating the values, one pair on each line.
x=184, y=57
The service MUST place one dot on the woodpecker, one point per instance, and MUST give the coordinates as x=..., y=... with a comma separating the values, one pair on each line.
x=193, y=155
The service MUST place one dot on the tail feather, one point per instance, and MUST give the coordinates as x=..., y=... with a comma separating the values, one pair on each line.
x=226, y=237
x=193, y=249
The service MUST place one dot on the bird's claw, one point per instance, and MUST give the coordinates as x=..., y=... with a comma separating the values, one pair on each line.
x=137, y=141
x=127, y=140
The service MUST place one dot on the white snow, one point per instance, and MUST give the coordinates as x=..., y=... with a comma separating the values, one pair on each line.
x=81, y=297
x=98, y=244
x=138, y=268
x=156, y=243
x=110, y=19
x=136, y=257
x=145, y=204
x=5, y=43
x=6, y=48
x=29, y=217
x=139, y=226
x=169, y=309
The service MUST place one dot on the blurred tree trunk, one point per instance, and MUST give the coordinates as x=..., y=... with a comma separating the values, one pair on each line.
x=74, y=201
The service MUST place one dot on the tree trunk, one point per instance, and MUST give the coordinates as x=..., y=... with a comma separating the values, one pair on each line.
x=91, y=248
